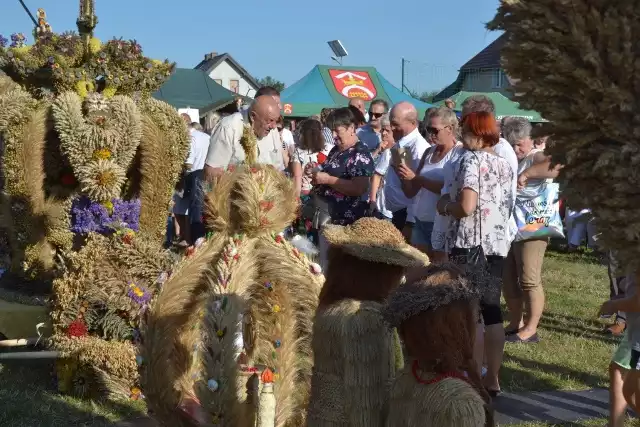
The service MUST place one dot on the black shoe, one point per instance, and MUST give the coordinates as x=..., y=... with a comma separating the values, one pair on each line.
x=508, y=332
x=515, y=339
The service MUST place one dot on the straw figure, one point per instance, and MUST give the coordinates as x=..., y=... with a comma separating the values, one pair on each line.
x=575, y=62
x=439, y=386
x=233, y=323
x=355, y=351
x=88, y=168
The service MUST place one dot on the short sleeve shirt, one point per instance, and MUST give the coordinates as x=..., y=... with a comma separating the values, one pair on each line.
x=352, y=163
x=490, y=176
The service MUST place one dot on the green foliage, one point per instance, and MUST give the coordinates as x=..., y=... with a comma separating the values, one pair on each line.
x=270, y=81
x=425, y=96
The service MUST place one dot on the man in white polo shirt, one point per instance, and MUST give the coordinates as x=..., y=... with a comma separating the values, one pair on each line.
x=404, y=125
x=225, y=148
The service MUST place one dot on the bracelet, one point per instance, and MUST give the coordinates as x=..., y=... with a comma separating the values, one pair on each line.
x=446, y=208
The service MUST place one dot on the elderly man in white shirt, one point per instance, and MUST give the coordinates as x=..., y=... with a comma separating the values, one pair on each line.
x=226, y=149
x=409, y=148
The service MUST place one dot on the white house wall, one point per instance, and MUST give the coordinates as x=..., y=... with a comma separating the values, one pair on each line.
x=224, y=73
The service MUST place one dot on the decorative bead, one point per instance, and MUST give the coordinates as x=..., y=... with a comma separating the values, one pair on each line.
x=276, y=308
x=212, y=385
x=279, y=239
x=315, y=268
x=269, y=286
x=277, y=343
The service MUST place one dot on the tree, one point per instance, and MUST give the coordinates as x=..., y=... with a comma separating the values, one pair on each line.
x=270, y=81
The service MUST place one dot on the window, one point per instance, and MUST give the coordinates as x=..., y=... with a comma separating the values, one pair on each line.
x=219, y=81
x=234, y=85
x=498, y=79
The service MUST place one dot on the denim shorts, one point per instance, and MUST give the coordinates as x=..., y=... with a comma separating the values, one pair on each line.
x=421, y=233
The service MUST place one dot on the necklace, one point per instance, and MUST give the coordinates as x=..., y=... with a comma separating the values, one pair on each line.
x=415, y=368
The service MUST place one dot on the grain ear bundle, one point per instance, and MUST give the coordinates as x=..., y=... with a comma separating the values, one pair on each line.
x=241, y=305
x=575, y=62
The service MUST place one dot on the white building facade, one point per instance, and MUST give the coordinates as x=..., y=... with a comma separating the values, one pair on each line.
x=225, y=71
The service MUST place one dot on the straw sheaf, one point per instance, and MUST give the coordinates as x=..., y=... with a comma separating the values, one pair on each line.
x=164, y=148
x=169, y=335
x=588, y=86
x=361, y=354
x=95, y=354
x=376, y=241
x=252, y=200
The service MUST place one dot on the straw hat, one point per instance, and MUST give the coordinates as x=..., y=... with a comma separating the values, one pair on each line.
x=440, y=285
x=375, y=240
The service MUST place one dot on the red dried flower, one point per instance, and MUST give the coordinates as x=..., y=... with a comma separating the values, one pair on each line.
x=266, y=205
x=68, y=179
x=77, y=329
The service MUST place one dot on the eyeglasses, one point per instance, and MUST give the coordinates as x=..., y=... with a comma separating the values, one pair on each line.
x=434, y=131
x=375, y=115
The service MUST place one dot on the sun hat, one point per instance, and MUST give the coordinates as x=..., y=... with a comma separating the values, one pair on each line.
x=436, y=288
x=375, y=240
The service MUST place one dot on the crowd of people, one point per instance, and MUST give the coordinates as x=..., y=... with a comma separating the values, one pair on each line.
x=448, y=186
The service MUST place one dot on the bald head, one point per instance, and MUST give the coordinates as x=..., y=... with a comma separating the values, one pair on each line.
x=264, y=113
x=359, y=104
x=404, y=119
x=186, y=118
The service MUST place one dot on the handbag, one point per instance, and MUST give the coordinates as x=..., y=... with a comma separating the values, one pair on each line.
x=539, y=217
x=317, y=210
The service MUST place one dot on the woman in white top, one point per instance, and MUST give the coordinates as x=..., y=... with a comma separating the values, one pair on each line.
x=304, y=156
x=381, y=158
x=522, y=276
x=480, y=202
x=425, y=184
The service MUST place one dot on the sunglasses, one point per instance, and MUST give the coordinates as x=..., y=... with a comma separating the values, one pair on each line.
x=375, y=115
x=434, y=131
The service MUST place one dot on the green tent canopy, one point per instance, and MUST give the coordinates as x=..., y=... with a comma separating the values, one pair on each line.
x=504, y=106
x=188, y=88
x=333, y=86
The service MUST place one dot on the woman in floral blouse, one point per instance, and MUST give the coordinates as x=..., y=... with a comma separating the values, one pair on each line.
x=344, y=177
x=345, y=174
x=480, y=201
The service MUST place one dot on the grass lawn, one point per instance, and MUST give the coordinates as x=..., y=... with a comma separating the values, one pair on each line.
x=573, y=354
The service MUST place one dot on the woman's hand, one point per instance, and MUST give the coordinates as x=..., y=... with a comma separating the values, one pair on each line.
x=321, y=178
x=404, y=172
x=522, y=180
x=607, y=308
x=442, y=204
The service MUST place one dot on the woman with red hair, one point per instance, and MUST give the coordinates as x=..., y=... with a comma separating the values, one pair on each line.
x=479, y=202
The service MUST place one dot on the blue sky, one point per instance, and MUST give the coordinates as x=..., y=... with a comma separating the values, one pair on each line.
x=284, y=39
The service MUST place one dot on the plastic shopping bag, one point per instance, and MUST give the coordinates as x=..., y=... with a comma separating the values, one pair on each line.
x=539, y=217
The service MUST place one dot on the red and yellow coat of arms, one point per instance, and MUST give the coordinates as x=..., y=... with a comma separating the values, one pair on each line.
x=353, y=84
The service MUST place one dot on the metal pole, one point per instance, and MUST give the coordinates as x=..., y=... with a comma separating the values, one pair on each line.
x=402, y=86
x=30, y=355
x=26, y=9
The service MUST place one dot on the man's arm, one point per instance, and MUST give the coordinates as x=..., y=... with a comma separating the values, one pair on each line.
x=220, y=152
x=542, y=169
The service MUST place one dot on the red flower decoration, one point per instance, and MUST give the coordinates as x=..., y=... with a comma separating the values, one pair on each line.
x=254, y=170
x=264, y=222
x=190, y=251
x=77, y=329
x=127, y=239
x=279, y=239
x=68, y=179
x=321, y=158
x=266, y=205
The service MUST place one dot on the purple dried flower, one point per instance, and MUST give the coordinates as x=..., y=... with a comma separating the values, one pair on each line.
x=139, y=294
x=88, y=216
x=3, y=41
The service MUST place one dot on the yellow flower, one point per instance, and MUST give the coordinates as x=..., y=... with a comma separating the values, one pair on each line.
x=276, y=308
x=109, y=91
x=156, y=62
x=102, y=154
x=83, y=88
x=109, y=205
x=95, y=45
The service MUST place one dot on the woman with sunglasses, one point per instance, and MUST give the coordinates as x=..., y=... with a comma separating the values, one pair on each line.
x=425, y=184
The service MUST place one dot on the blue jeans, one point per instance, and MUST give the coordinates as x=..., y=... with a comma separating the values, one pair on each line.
x=421, y=233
